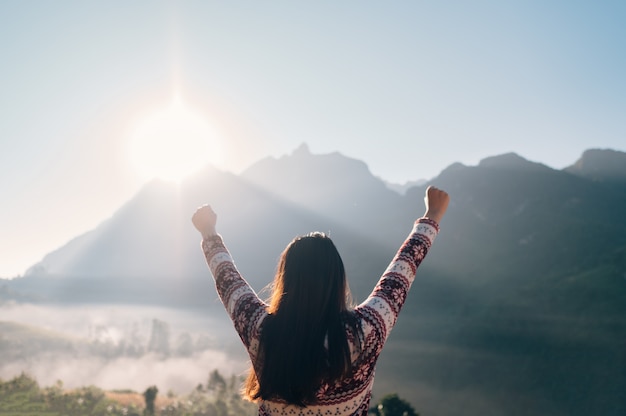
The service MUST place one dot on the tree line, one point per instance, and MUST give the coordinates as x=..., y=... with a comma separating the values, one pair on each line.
x=219, y=396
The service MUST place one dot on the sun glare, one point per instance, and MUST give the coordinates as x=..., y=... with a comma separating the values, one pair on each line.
x=173, y=143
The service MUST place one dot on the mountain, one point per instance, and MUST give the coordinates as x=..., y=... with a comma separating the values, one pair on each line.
x=511, y=161
x=519, y=307
x=520, y=210
x=602, y=165
x=332, y=185
x=148, y=251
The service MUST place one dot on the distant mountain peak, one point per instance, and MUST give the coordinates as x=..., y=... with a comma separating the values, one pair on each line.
x=456, y=166
x=509, y=160
x=302, y=150
x=600, y=165
x=302, y=158
x=320, y=182
x=505, y=159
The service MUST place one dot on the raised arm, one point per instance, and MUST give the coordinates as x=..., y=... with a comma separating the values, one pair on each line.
x=241, y=302
x=380, y=310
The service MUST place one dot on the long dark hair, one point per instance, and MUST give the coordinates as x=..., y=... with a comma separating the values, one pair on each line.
x=303, y=339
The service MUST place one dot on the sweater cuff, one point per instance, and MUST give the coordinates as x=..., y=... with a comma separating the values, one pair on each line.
x=427, y=228
x=210, y=242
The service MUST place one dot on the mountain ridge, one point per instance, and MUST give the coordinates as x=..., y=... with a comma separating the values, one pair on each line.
x=355, y=195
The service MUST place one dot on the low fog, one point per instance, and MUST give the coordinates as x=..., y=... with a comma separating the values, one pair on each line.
x=117, y=347
x=179, y=374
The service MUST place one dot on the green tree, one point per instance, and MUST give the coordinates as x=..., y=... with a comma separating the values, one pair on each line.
x=216, y=384
x=392, y=405
x=150, y=397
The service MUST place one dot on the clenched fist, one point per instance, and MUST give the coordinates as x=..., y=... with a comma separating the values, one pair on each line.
x=436, y=202
x=204, y=219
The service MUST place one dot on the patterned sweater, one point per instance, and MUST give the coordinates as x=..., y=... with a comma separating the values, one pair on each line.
x=377, y=315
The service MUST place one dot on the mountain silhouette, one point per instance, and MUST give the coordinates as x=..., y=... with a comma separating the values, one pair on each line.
x=600, y=165
x=521, y=304
x=332, y=185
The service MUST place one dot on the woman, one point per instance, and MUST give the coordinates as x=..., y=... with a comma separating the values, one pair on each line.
x=311, y=353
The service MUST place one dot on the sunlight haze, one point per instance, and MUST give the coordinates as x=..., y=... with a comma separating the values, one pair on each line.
x=173, y=143
x=408, y=87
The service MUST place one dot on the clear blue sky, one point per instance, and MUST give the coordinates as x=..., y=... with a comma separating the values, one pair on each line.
x=409, y=87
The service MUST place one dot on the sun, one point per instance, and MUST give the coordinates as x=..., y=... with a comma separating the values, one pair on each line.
x=172, y=143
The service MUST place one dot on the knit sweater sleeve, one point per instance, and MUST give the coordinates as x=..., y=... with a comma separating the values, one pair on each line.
x=380, y=310
x=241, y=302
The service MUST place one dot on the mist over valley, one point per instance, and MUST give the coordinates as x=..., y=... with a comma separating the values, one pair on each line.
x=116, y=347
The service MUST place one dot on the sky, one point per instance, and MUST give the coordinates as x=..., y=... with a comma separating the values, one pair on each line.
x=408, y=87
